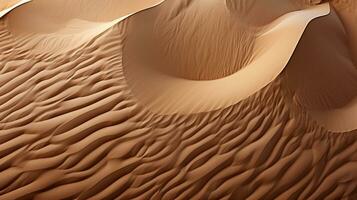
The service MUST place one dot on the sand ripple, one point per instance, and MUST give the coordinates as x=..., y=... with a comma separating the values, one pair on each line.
x=70, y=128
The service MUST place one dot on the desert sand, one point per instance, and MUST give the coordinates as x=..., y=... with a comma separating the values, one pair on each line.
x=178, y=99
x=168, y=93
x=8, y=5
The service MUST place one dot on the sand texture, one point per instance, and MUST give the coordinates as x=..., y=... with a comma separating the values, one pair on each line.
x=8, y=5
x=178, y=99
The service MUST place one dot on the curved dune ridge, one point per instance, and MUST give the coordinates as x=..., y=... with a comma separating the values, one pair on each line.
x=72, y=125
x=191, y=38
x=68, y=24
x=324, y=81
x=8, y=5
x=192, y=44
x=167, y=94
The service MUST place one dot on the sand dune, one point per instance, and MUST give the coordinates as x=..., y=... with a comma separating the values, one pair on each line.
x=348, y=15
x=60, y=26
x=324, y=81
x=165, y=93
x=73, y=126
x=8, y=5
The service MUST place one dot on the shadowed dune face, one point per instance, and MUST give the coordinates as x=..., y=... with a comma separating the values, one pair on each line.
x=326, y=77
x=324, y=80
x=347, y=11
x=258, y=13
x=146, y=63
x=196, y=39
x=203, y=40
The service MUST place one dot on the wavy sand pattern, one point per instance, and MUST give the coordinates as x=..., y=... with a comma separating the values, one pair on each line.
x=71, y=126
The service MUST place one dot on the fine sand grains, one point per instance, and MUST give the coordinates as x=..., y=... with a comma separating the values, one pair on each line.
x=7, y=6
x=161, y=78
x=4, y=4
x=71, y=128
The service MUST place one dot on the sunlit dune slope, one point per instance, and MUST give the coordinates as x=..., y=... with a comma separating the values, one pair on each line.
x=59, y=26
x=8, y=5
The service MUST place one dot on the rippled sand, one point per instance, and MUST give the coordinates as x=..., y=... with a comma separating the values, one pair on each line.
x=73, y=127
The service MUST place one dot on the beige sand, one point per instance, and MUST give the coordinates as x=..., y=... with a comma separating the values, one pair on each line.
x=324, y=82
x=165, y=94
x=8, y=5
x=72, y=127
x=68, y=24
x=347, y=13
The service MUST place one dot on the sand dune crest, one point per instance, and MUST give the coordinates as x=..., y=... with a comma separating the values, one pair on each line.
x=324, y=81
x=165, y=94
x=7, y=6
x=55, y=27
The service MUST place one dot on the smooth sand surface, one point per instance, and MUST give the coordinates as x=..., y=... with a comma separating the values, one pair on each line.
x=73, y=127
x=348, y=16
x=338, y=119
x=8, y=5
x=324, y=80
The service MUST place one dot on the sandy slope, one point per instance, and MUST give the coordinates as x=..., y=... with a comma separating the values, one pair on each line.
x=348, y=14
x=168, y=93
x=71, y=126
x=8, y=5
x=68, y=24
x=324, y=81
